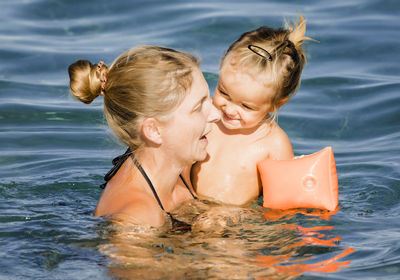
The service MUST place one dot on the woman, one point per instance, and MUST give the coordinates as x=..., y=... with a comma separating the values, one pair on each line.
x=157, y=102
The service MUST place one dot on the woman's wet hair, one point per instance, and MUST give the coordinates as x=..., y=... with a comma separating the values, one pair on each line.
x=277, y=52
x=146, y=81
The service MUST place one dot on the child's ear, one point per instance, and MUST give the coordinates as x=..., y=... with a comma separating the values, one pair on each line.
x=151, y=130
x=282, y=102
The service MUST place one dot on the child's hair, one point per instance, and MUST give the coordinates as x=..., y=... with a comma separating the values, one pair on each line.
x=146, y=81
x=275, y=51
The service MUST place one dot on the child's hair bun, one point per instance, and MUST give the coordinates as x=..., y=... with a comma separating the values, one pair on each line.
x=297, y=32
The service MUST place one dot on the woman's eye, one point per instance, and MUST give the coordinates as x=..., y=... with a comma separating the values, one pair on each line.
x=198, y=107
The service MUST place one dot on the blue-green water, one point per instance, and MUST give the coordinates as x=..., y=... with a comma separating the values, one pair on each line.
x=55, y=150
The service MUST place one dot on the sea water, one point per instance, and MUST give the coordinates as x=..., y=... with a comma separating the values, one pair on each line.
x=55, y=150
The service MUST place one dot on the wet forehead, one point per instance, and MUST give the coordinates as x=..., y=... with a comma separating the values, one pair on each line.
x=199, y=86
x=198, y=90
x=241, y=85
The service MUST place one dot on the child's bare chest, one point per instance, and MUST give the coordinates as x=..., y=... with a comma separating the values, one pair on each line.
x=237, y=151
x=230, y=173
x=234, y=159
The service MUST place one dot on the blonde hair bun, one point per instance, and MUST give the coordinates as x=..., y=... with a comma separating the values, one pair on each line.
x=85, y=80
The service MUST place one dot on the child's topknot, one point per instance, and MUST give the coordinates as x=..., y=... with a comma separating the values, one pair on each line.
x=284, y=57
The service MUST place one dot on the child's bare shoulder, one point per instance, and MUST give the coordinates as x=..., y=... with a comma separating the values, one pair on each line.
x=277, y=144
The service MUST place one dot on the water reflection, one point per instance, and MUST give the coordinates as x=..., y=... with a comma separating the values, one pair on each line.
x=317, y=249
x=225, y=242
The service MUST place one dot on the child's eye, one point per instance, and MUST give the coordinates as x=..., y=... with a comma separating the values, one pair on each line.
x=247, y=107
x=223, y=93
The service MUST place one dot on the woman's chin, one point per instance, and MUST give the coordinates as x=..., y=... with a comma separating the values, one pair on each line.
x=202, y=155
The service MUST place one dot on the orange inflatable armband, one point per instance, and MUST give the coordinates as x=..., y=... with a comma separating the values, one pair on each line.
x=308, y=181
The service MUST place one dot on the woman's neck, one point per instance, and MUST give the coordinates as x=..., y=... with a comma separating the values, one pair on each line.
x=162, y=171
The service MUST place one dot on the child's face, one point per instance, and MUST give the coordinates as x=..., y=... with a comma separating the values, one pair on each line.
x=243, y=100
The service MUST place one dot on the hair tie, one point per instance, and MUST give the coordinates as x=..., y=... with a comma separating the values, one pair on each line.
x=283, y=45
x=287, y=43
x=290, y=43
x=260, y=51
x=102, y=76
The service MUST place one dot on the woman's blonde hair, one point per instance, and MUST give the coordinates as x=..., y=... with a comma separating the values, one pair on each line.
x=284, y=57
x=146, y=81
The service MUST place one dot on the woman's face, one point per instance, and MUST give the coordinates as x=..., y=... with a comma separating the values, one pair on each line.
x=184, y=133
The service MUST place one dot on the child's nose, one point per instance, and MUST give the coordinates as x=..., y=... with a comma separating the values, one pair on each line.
x=230, y=110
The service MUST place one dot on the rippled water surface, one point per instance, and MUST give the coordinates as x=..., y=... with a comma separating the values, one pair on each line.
x=54, y=150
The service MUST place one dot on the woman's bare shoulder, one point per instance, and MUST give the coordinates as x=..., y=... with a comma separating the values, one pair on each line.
x=141, y=211
x=126, y=204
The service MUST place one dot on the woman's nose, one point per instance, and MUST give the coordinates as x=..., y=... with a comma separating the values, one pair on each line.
x=214, y=114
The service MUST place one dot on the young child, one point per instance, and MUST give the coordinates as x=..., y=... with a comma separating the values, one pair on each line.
x=259, y=73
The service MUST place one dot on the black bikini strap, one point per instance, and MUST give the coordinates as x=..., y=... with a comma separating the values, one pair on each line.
x=117, y=162
x=183, y=180
x=148, y=181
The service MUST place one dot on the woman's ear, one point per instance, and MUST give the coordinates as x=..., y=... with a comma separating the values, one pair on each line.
x=151, y=130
